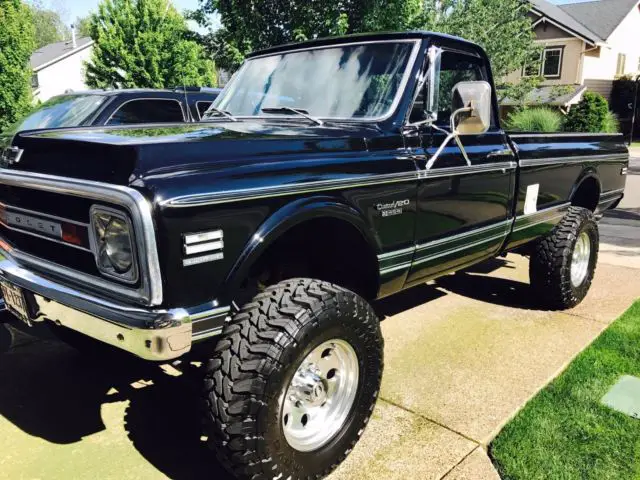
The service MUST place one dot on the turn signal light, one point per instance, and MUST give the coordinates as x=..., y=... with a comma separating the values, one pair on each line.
x=71, y=234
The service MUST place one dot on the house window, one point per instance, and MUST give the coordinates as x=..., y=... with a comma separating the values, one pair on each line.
x=532, y=68
x=552, y=62
x=548, y=65
x=622, y=63
x=34, y=81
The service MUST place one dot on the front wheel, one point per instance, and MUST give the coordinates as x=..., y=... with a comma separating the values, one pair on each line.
x=564, y=261
x=293, y=381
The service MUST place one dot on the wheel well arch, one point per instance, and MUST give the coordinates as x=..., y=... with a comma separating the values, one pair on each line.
x=586, y=192
x=318, y=238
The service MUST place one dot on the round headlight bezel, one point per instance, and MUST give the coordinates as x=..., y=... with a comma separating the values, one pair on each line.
x=103, y=218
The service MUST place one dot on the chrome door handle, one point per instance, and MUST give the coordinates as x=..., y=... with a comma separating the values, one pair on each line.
x=507, y=152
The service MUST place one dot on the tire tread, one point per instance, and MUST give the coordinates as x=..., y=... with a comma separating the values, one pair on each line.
x=253, y=346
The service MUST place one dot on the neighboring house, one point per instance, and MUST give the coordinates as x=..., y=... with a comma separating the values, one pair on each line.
x=586, y=46
x=59, y=67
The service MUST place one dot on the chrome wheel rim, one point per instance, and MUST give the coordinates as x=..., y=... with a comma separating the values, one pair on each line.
x=320, y=395
x=580, y=259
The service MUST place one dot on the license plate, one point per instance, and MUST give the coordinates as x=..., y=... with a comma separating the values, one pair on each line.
x=15, y=301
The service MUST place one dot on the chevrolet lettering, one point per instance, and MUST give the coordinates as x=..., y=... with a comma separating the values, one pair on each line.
x=327, y=175
x=33, y=224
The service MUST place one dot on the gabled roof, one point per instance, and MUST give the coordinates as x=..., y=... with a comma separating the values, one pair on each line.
x=601, y=16
x=594, y=21
x=566, y=21
x=57, y=51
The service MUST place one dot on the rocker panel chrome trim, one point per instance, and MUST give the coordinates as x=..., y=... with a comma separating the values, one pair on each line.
x=461, y=248
x=543, y=216
x=394, y=268
x=396, y=253
x=503, y=224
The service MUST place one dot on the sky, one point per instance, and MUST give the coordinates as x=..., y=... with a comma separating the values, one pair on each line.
x=71, y=9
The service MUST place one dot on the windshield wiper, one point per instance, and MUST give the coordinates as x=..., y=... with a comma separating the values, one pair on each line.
x=299, y=111
x=224, y=113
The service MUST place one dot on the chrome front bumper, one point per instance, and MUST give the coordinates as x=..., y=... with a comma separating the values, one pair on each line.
x=146, y=333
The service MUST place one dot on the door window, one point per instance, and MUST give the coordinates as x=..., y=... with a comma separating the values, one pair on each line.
x=155, y=110
x=455, y=68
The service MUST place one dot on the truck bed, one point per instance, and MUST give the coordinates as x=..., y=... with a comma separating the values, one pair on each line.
x=554, y=168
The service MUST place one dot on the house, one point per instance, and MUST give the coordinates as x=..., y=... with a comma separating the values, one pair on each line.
x=586, y=45
x=58, y=67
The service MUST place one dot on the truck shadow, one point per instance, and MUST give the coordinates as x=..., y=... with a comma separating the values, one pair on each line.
x=498, y=291
x=54, y=393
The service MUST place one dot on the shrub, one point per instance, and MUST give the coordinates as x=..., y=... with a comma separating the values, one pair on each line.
x=535, y=120
x=611, y=123
x=589, y=115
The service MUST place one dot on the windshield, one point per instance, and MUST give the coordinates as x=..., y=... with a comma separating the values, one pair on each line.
x=61, y=111
x=343, y=82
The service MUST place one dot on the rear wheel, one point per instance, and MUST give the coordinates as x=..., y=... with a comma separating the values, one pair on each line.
x=563, y=263
x=293, y=381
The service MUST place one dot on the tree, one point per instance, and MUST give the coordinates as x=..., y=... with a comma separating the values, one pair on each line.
x=83, y=26
x=500, y=26
x=49, y=27
x=591, y=114
x=285, y=21
x=16, y=45
x=144, y=43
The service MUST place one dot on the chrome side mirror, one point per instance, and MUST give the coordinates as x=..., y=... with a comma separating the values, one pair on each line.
x=471, y=106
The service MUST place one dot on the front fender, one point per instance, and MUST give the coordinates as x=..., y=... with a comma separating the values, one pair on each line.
x=289, y=216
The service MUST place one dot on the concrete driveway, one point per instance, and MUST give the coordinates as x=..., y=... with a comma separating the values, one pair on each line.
x=462, y=356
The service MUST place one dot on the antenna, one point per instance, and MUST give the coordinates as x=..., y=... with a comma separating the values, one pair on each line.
x=186, y=101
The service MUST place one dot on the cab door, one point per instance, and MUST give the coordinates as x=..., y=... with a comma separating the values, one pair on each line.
x=464, y=202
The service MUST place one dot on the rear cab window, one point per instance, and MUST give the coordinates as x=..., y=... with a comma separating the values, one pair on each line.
x=152, y=110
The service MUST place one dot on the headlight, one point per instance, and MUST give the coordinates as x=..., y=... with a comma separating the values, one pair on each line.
x=112, y=242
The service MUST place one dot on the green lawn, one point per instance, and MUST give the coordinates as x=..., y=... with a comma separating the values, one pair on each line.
x=564, y=432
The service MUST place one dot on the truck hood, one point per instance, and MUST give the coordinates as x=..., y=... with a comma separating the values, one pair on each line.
x=126, y=155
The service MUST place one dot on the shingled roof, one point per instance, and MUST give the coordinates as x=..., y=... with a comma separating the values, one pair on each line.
x=57, y=51
x=593, y=21
x=601, y=16
x=557, y=14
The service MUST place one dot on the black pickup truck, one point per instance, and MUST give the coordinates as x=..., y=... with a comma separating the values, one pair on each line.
x=333, y=173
